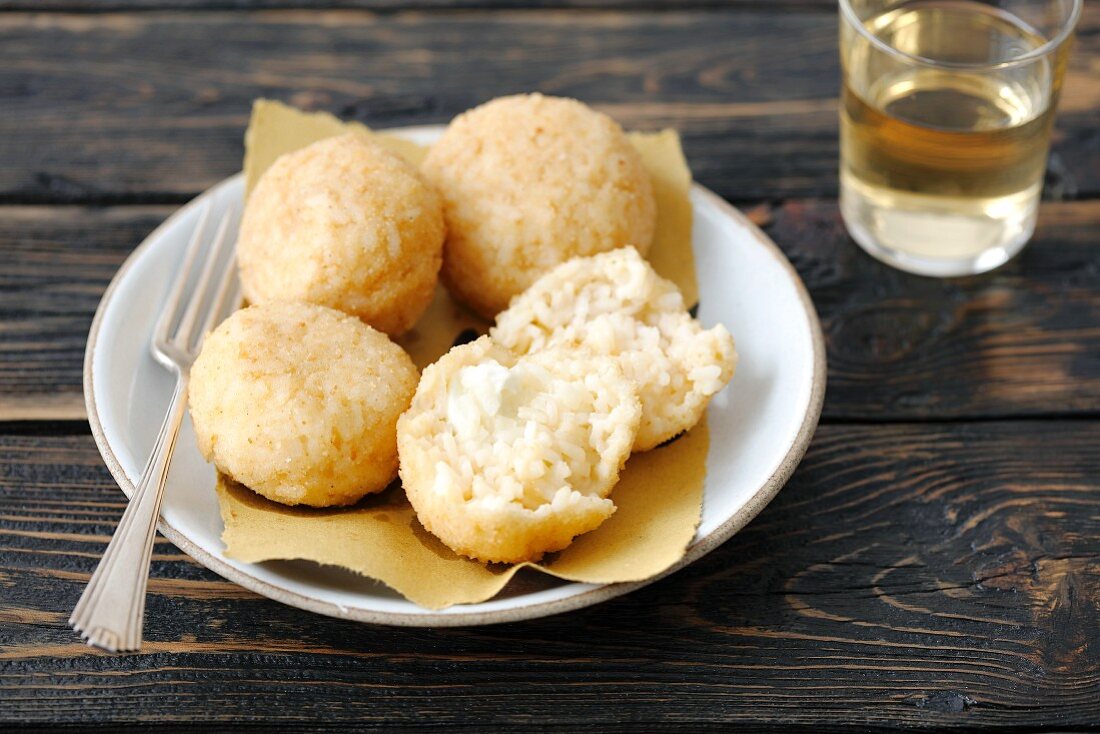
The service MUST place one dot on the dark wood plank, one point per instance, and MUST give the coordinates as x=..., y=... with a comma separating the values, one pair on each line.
x=389, y=5
x=909, y=576
x=1024, y=340
x=125, y=108
x=57, y=263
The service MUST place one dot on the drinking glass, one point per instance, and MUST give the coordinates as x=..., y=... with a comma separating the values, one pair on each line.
x=946, y=115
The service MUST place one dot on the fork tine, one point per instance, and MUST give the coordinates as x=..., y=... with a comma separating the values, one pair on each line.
x=227, y=294
x=228, y=290
x=185, y=332
x=170, y=310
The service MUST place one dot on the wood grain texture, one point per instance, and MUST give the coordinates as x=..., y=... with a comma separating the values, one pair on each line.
x=56, y=264
x=909, y=575
x=940, y=573
x=1024, y=340
x=145, y=107
x=99, y=6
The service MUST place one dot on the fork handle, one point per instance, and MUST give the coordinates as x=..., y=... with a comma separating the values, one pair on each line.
x=111, y=610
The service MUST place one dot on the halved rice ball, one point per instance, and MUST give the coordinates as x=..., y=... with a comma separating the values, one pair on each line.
x=505, y=458
x=300, y=403
x=614, y=304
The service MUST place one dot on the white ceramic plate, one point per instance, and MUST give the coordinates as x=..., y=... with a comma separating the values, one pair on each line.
x=760, y=425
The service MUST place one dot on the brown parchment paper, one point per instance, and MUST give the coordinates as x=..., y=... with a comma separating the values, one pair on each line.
x=659, y=495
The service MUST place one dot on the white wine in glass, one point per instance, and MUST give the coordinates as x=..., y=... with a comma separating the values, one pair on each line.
x=946, y=116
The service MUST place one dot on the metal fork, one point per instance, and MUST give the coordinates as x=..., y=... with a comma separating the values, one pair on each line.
x=111, y=610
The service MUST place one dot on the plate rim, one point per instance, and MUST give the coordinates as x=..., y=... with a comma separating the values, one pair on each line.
x=588, y=597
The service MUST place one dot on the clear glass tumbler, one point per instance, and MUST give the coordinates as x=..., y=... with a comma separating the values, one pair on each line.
x=946, y=116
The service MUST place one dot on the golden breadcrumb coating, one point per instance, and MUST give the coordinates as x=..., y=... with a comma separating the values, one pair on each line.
x=528, y=182
x=300, y=403
x=346, y=224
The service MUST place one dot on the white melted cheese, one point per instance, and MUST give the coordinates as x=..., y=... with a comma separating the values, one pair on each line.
x=483, y=391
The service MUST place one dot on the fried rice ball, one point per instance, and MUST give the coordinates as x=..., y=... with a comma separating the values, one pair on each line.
x=614, y=304
x=346, y=224
x=528, y=182
x=505, y=458
x=300, y=403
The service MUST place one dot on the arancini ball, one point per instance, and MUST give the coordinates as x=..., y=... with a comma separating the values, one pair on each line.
x=506, y=458
x=343, y=223
x=529, y=182
x=300, y=403
x=614, y=304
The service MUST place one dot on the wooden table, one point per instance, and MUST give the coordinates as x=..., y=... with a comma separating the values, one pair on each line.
x=935, y=561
